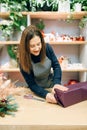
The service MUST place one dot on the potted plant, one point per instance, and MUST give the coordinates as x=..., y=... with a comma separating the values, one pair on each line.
x=40, y=25
x=82, y=2
x=31, y=5
x=84, y=5
x=19, y=22
x=13, y=53
x=50, y=5
x=39, y=5
x=42, y=5
x=6, y=29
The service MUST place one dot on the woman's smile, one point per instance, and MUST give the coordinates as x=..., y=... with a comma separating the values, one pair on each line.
x=36, y=52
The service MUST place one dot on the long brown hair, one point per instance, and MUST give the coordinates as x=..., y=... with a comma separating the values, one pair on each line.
x=24, y=52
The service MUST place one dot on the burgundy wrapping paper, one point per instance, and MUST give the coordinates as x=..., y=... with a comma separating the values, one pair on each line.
x=75, y=94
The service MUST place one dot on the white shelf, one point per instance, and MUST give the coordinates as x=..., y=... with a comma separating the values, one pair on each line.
x=69, y=43
x=55, y=15
x=52, y=42
x=75, y=70
x=10, y=70
x=49, y=15
x=64, y=70
x=9, y=42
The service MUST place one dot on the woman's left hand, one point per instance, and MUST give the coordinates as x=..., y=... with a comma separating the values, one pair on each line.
x=60, y=87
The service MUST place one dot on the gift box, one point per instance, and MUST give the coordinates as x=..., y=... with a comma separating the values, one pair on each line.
x=75, y=94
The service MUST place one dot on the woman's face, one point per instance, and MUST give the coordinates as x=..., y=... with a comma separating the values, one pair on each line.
x=35, y=45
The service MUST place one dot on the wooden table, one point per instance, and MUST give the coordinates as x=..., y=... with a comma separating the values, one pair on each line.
x=37, y=115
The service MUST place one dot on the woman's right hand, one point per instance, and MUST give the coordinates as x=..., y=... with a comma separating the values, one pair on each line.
x=50, y=98
x=60, y=87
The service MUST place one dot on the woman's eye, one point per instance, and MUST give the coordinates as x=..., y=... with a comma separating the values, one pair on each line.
x=32, y=46
x=38, y=44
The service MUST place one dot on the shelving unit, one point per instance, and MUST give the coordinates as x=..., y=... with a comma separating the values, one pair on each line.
x=54, y=16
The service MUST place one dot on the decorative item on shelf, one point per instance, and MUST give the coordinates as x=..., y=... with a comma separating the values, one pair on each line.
x=40, y=25
x=80, y=38
x=52, y=36
x=71, y=81
x=75, y=66
x=64, y=61
x=55, y=37
x=64, y=6
x=65, y=37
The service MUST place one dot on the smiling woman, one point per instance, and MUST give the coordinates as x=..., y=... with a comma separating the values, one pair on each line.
x=36, y=58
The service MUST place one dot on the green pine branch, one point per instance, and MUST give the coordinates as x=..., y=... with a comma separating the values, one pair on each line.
x=8, y=106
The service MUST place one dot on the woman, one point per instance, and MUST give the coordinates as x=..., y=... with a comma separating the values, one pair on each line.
x=36, y=61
